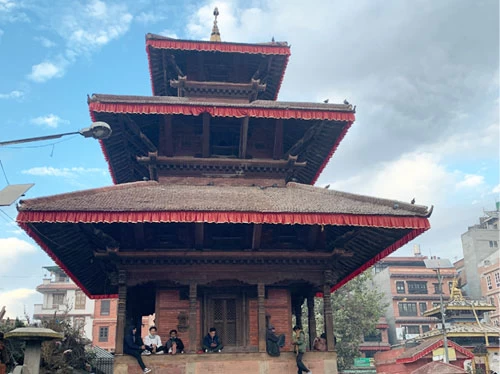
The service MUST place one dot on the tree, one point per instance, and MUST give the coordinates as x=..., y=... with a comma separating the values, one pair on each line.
x=357, y=307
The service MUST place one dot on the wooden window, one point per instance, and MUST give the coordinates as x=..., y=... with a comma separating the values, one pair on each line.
x=78, y=323
x=407, y=309
x=488, y=282
x=103, y=334
x=80, y=300
x=412, y=329
x=415, y=287
x=105, y=304
x=57, y=299
x=497, y=279
x=423, y=307
x=400, y=287
x=225, y=319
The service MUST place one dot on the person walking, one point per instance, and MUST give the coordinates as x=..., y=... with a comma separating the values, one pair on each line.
x=300, y=348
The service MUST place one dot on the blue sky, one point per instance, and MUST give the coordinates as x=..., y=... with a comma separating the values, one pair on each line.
x=423, y=74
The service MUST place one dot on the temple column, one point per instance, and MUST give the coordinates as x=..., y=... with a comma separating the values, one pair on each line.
x=193, y=328
x=297, y=310
x=311, y=319
x=122, y=311
x=327, y=311
x=261, y=297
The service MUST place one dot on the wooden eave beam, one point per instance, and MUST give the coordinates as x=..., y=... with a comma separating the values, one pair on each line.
x=313, y=237
x=303, y=142
x=219, y=254
x=139, y=236
x=137, y=131
x=235, y=163
x=199, y=235
x=166, y=146
x=165, y=71
x=256, y=236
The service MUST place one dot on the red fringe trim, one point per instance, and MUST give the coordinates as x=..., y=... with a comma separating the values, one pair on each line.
x=429, y=349
x=225, y=217
x=188, y=45
x=332, y=151
x=221, y=111
x=52, y=255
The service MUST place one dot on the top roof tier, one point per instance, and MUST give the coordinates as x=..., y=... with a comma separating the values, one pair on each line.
x=252, y=66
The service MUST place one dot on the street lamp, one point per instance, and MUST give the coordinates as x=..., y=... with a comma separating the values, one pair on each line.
x=436, y=265
x=98, y=130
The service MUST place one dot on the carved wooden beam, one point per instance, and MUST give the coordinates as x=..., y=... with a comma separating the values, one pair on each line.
x=152, y=166
x=139, y=236
x=165, y=71
x=206, y=135
x=261, y=315
x=244, y=137
x=312, y=237
x=303, y=142
x=176, y=67
x=166, y=137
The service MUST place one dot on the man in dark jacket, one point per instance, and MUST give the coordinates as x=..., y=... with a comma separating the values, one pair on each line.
x=211, y=342
x=174, y=344
x=274, y=342
x=133, y=346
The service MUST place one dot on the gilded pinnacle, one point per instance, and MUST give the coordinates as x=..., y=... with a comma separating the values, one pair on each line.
x=215, y=36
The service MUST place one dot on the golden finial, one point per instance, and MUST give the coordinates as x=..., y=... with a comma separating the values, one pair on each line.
x=215, y=36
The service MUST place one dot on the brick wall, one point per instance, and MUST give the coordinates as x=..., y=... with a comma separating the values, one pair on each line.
x=278, y=308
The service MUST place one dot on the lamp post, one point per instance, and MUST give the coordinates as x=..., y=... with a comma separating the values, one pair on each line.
x=436, y=265
x=98, y=130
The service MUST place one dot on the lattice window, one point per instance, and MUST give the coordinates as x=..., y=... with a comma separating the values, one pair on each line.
x=497, y=279
x=80, y=300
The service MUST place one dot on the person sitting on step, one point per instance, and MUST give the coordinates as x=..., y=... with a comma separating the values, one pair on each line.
x=153, y=342
x=211, y=342
x=174, y=344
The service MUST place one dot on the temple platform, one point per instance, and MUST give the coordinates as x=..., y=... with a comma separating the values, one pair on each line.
x=228, y=363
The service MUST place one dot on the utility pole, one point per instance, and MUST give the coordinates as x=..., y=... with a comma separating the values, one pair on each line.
x=441, y=308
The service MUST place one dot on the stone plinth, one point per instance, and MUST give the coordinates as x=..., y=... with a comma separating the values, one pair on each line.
x=228, y=363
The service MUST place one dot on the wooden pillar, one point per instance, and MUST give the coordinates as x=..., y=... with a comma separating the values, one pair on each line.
x=193, y=327
x=311, y=320
x=328, y=317
x=278, y=140
x=121, y=319
x=206, y=135
x=243, y=137
x=261, y=297
x=166, y=137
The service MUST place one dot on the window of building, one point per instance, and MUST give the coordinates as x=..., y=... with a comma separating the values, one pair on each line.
x=425, y=328
x=103, y=334
x=79, y=323
x=373, y=337
x=407, y=309
x=450, y=286
x=423, y=307
x=493, y=244
x=434, y=305
x=412, y=329
x=400, y=287
x=497, y=279
x=57, y=299
x=80, y=300
x=488, y=282
x=436, y=288
x=417, y=287
x=105, y=307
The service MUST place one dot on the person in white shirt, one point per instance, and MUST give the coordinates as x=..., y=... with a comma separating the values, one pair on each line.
x=153, y=342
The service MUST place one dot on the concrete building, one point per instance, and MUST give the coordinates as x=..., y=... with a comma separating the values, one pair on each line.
x=104, y=324
x=478, y=243
x=489, y=271
x=410, y=289
x=377, y=342
x=62, y=297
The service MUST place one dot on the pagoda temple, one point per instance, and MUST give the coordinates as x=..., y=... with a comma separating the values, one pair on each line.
x=213, y=219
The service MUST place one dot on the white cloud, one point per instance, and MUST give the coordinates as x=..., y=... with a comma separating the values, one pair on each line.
x=50, y=120
x=10, y=11
x=12, y=95
x=46, y=70
x=12, y=250
x=168, y=33
x=47, y=43
x=496, y=189
x=1, y=33
x=16, y=301
x=74, y=172
x=148, y=18
x=471, y=180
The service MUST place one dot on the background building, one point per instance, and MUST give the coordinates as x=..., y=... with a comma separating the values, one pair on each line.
x=104, y=325
x=410, y=289
x=62, y=297
x=478, y=243
x=489, y=271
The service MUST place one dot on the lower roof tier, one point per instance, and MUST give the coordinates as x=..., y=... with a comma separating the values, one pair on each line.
x=92, y=233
